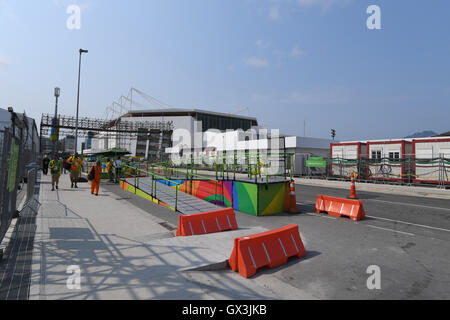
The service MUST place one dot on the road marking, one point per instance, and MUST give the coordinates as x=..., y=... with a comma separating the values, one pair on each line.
x=392, y=220
x=319, y=215
x=409, y=204
x=410, y=234
x=410, y=223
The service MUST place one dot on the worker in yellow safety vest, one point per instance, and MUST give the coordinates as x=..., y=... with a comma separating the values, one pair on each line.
x=76, y=164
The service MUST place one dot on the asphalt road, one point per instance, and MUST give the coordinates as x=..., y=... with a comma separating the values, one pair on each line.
x=408, y=238
x=428, y=213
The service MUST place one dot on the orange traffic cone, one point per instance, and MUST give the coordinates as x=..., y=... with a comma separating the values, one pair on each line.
x=353, y=188
x=293, y=200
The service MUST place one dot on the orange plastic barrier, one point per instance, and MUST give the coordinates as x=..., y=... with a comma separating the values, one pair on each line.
x=207, y=222
x=270, y=248
x=339, y=207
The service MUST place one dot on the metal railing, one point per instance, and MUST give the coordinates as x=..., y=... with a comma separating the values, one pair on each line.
x=154, y=177
x=31, y=184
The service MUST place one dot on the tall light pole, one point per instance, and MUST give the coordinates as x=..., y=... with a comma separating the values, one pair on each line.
x=78, y=99
x=57, y=92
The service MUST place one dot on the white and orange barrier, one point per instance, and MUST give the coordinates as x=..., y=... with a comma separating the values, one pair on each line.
x=339, y=207
x=207, y=222
x=271, y=248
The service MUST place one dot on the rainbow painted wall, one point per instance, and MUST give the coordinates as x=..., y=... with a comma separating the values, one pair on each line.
x=251, y=198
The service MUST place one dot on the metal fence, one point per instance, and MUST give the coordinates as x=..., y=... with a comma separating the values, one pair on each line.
x=408, y=170
x=18, y=149
x=10, y=177
x=31, y=183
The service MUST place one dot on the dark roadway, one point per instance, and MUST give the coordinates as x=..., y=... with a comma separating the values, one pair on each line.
x=408, y=238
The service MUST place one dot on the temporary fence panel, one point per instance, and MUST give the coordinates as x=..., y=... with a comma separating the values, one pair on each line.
x=389, y=160
x=10, y=169
x=432, y=160
x=346, y=158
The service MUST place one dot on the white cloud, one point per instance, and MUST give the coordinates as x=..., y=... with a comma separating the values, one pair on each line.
x=261, y=44
x=66, y=3
x=325, y=4
x=259, y=97
x=3, y=61
x=274, y=13
x=297, y=52
x=256, y=62
x=320, y=96
x=7, y=12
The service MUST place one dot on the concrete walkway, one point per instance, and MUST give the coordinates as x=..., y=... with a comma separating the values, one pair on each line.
x=122, y=252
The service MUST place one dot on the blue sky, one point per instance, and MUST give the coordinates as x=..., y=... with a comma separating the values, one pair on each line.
x=287, y=61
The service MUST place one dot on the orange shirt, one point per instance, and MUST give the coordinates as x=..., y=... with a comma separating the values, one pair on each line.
x=98, y=172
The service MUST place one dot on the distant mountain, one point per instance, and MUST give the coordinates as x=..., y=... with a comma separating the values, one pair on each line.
x=423, y=134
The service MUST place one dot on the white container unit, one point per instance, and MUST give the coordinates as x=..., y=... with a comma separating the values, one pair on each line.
x=432, y=160
x=345, y=158
x=389, y=160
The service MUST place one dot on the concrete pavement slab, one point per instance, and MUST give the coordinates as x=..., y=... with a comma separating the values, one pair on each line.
x=118, y=251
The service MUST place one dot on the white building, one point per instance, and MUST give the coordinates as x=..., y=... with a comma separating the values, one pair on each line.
x=407, y=160
x=432, y=159
x=389, y=159
x=346, y=156
x=202, y=133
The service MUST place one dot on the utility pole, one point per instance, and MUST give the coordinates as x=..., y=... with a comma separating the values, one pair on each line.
x=78, y=98
x=55, y=142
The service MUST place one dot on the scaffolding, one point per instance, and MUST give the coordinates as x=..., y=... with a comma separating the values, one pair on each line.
x=112, y=129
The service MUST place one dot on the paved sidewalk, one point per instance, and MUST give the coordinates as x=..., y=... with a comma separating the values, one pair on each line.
x=123, y=252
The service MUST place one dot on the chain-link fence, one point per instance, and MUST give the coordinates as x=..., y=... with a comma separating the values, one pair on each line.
x=408, y=170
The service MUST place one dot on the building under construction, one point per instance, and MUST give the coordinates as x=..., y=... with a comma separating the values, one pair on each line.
x=146, y=139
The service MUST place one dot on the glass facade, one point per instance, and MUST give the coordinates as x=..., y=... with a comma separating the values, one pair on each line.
x=210, y=121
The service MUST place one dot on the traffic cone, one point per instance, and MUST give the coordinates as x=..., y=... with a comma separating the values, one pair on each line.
x=293, y=200
x=353, y=188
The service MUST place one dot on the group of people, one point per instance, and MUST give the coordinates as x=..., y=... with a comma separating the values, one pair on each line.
x=74, y=164
x=57, y=166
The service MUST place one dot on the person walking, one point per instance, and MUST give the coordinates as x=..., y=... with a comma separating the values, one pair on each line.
x=45, y=163
x=95, y=174
x=118, y=168
x=75, y=168
x=109, y=168
x=55, y=166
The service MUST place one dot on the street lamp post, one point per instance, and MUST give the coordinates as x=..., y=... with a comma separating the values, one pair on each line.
x=78, y=98
x=57, y=92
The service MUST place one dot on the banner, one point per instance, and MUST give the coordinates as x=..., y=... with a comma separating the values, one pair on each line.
x=54, y=135
x=13, y=162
